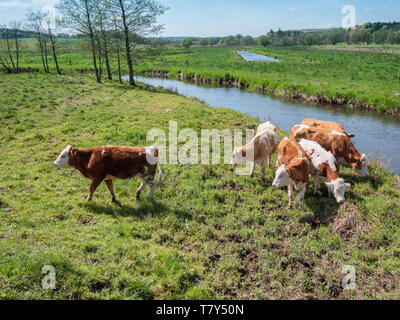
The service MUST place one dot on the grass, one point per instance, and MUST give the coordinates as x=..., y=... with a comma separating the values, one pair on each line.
x=355, y=76
x=360, y=79
x=208, y=234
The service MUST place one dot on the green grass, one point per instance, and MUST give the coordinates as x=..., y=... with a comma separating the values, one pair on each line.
x=208, y=234
x=361, y=77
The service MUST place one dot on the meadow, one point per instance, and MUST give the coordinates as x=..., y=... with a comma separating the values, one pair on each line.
x=357, y=77
x=208, y=234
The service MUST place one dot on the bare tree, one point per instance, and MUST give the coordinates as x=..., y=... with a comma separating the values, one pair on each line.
x=136, y=17
x=35, y=21
x=15, y=27
x=104, y=25
x=79, y=15
x=50, y=29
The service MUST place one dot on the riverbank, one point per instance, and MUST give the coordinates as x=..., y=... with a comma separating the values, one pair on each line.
x=209, y=234
x=354, y=80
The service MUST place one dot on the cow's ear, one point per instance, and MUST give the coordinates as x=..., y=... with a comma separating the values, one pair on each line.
x=243, y=153
x=74, y=152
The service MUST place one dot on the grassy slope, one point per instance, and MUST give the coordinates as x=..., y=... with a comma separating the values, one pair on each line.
x=209, y=234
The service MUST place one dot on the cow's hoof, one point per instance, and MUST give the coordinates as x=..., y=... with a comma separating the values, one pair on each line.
x=137, y=196
x=88, y=199
x=114, y=200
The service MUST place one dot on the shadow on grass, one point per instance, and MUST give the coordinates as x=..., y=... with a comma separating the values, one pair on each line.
x=140, y=209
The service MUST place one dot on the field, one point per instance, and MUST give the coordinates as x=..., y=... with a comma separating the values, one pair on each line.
x=208, y=234
x=357, y=77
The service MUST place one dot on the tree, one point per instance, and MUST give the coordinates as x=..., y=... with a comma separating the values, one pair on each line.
x=51, y=35
x=35, y=21
x=186, y=43
x=15, y=27
x=204, y=42
x=136, y=17
x=79, y=15
x=103, y=22
x=264, y=41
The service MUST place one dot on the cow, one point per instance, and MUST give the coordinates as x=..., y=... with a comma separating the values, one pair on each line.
x=292, y=169
x=327, y=168
x=259, y=150
x=326, y=125
x=111, y=162
x=266, y=126
x=337, y=142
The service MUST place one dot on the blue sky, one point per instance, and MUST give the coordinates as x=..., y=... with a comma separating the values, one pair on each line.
x=248, y=17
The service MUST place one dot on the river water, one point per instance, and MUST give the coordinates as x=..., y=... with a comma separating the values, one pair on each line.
x=250, y=56
x=374, y=132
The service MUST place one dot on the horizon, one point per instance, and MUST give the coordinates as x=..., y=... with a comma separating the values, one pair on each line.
x=219, y=18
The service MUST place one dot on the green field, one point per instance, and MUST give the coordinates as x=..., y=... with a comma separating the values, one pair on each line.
x=352, y=76
x=208, y=234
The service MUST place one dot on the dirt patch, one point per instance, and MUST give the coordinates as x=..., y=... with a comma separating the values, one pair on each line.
x=348, y=223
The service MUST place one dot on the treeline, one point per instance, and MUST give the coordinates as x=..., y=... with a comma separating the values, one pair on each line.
x=378, y=33
x=111, y=28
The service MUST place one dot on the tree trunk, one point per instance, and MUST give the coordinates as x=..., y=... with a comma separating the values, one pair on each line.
x=53, y=46
x=127, y=46
x=104, y=35
x=91, y=35
x=41, y=50
x=398, y=75
x=10, y=52
x=46, y=57
x=119, y=63
x=16, y=48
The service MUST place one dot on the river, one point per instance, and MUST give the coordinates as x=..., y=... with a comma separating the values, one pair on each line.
x=374, y=132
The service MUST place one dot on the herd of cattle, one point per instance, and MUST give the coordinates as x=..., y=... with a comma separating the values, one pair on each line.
x=315, y=148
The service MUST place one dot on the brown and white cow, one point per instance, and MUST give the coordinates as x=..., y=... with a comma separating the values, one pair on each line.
x=326, y=125
x=108, y=163
x=337, y=142
x=259, y=150
x=292, y=169
x=266, y=126
x=327, y=168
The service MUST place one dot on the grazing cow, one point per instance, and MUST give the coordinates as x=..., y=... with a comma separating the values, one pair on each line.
x=328, y=170
x=259, y=150
x=266, y=126
x=326, y=125
x=337, y=142
x=108, y=163
x=292, y=169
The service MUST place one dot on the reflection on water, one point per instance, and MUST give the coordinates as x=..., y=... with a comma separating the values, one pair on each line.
x=373, y=132
x=250, y=56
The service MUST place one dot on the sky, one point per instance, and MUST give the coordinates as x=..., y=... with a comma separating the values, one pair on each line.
x=208, y=18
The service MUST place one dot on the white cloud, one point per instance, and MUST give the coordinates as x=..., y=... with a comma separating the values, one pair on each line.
x=13, y=4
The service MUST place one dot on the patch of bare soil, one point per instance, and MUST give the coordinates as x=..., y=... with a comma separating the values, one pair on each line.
x=348, y=223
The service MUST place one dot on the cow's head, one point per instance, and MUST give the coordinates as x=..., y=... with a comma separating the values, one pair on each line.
x=282, y=177
x=338, y=189
x=362, y=166
x=238, y=156
x=63, y=159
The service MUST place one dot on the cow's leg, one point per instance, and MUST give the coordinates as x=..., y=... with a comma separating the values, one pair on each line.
x=95, y=183
x=269, y=161
x=140, y=189
x=291, y=194
x=263, y=168
x=110, y=187
x=153, y=186
x=302, y=192
x=253, y=164
x=317, y=184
